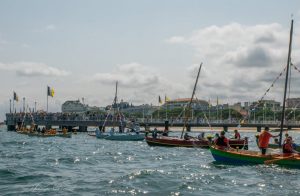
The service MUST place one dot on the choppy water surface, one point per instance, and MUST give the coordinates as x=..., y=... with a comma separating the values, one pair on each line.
x=84, y=165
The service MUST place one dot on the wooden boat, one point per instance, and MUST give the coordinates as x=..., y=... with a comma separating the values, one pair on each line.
x=192, y=143
x=36, y=134
x=125, y=137
x=242, y=157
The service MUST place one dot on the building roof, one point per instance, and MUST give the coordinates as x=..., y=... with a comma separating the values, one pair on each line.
x=180, y=100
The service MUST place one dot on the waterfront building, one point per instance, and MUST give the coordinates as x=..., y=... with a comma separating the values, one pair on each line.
x=293, y=102
x=78, y=107
x=266, y=104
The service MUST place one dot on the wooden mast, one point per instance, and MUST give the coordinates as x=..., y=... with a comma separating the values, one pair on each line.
x=190, y=103
x=286, y=83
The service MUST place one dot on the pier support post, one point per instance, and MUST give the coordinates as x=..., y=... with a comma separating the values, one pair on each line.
x=82, y=129
x=258, y=129
x=167, y=125
x=101, y=128
x=225, y=128
x=11, y=127
x=188, y=128
x=289, y=128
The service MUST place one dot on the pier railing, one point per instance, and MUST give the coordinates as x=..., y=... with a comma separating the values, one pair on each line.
x=73, y=120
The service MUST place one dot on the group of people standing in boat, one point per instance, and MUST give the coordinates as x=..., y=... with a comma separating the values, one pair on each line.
x=264, y=138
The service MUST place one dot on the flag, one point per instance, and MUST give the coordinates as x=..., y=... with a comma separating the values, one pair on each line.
x=50, y=91
x=159, y=100
x=167, y=98
x=16, y=98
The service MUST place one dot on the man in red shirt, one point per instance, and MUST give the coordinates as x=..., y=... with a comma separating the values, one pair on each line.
x=263, y=140
x=222, y=141
x=287, y=147
x=237, y=135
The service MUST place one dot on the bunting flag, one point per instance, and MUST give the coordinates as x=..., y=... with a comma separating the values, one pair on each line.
x=50, y=91
x=159, y=100
x=16, y=98
x=167, y=98
x=268, y=90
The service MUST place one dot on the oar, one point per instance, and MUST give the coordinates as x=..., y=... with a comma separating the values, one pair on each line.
x=267, y=162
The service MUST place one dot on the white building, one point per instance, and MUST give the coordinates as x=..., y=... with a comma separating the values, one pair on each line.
x=77, y=107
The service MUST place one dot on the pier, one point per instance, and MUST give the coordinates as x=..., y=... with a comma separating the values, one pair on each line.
x=81, y=122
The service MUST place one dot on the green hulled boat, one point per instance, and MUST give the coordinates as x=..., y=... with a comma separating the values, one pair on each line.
x=242, y=157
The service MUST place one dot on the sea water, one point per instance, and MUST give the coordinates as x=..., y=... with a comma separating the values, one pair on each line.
x=84, y=165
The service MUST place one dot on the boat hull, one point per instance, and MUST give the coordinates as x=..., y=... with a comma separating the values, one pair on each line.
x=242, y=157
x=68, y=135
x=125, y=137
x=191, y=143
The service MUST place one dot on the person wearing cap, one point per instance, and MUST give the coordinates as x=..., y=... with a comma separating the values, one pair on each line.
x=263, y=140
x=288, y=146
x=222, y=141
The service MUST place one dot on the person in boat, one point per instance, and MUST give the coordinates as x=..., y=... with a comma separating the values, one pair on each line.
x=237, y=135
x=43, y=130
x=222, y=141
x=187, y=136
x=287, y=147
x=286, y=136
x=112, y=131
x=165, y=133
x=65, y=131
x=276, y=141
x=263, y=140
x=137, y=130
x=201, y=136
x=98, y=132
x=154, y=133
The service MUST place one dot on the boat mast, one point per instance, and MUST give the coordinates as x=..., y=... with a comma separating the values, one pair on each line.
x=190, y=103
x=116, y=94
x=286, y=83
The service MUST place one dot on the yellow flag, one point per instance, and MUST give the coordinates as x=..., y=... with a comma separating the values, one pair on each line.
x=52, y=92
x=167, y=99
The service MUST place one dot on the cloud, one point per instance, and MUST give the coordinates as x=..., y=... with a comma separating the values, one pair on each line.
x=239, y=60
x=140, y=82
x=130, y=75
x=32, y=69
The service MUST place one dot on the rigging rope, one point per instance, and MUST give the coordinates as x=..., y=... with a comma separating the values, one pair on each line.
x=272, y=85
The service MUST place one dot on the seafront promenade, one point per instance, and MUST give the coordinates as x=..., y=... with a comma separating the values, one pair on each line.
x=83, y=121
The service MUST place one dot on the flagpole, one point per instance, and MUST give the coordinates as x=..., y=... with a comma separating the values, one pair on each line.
x=9, y=105
x=166, y=107
x=47, y=98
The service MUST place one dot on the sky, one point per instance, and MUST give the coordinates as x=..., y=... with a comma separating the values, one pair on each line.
x=81, y=48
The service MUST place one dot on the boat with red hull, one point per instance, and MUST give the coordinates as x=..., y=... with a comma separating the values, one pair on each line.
x=192, y=143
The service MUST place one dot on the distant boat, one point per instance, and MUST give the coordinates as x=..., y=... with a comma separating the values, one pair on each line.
x=192, y=143
x=125, y=137
x=135, y=135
